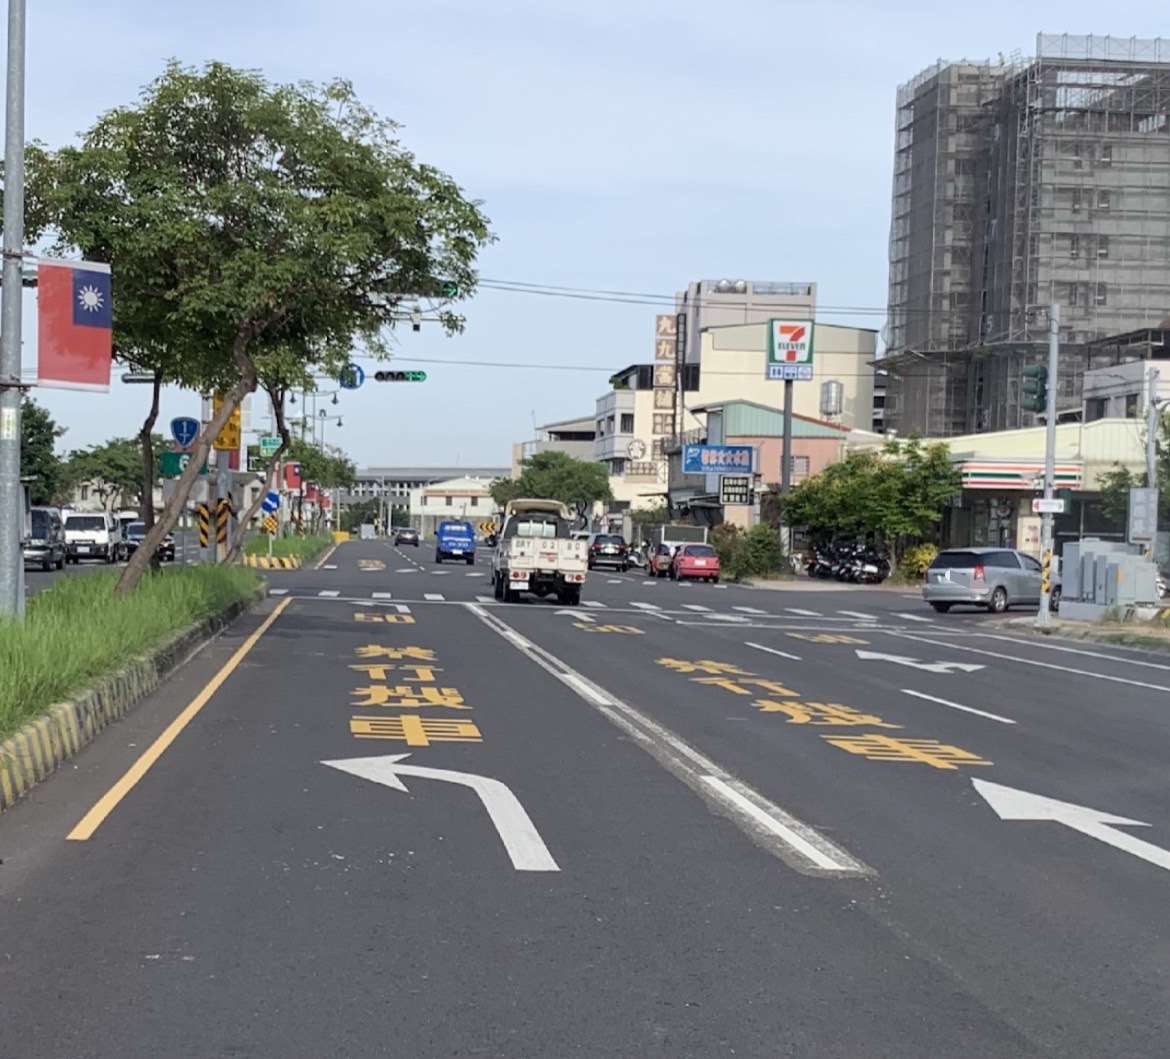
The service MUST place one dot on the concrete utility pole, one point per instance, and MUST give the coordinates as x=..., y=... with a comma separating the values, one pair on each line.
x=1043, y=616
x=1152, y=428
x=11, y=493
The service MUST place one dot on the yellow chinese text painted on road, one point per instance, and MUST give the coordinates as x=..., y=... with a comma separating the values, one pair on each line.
x=371, y=564
x=397, y=654
x=825, y=637
x=829, y=714
x=414, y=730
x=403, y=695
x=923, y=751
x=629, y=630
x=388, y=619
x=423, y=674
x=704, y=665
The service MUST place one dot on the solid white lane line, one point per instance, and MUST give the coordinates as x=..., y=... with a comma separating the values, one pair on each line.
x=594, y=604
x=795, y=842
x=1026, y=661
x=614, y=581
x=857, y=614
x=646, y=606
x=773, y=651
x=911, y=617
x=477, y=573
x=434, y=597
x=329, y=593
x=440, y=573
x=405, y=570
x=750, y=610
x=695, y=606
x=958, y=706
x=730, y=617
x=803, y=613
x=382, y=595
x=1075, y=651
x=485, y=599
x=326, y=557
x=278, y=591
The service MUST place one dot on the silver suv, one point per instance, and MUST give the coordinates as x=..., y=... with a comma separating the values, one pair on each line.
x=994, y=578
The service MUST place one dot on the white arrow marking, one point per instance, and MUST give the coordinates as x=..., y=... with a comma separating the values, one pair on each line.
x=930, y=667
x=515, y=828
x=579, y=616
x=1012, y=804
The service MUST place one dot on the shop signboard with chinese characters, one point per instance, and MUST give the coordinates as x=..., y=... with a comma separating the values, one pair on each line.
x=717, y=459
x=665, y=381
x=790, y=350
x=735, y=489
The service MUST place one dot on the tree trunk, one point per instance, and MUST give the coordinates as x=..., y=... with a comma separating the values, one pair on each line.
x=146, y=438
x=285, y=444
x=170, y=514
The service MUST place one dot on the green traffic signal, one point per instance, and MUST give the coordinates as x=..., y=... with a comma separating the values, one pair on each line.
x=448, y=288
x=1034, y=396
x=400, y=376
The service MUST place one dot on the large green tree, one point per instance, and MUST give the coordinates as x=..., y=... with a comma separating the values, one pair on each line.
x=556, y=476
x=114, y=470
x=245, y=220
x=38, y=455
x=897, y=495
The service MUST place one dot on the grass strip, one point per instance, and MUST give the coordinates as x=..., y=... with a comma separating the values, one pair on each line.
x=78, y=630
x=303, y=548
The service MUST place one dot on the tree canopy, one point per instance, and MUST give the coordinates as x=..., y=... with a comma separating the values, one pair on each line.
x=114, y=468
x=556, y=476
x=897, y=494
x=250, y=225
x=38, y=456
x=328, y=466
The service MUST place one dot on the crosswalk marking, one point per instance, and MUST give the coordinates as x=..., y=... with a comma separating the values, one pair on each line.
x=750, y=610
x=485, y=599
x=278, y=591
x=440, y=573
x=646, y=606
x=695, y=606
x=382, y=595
x=476, y=573
x=329, y=593
x=911, y=617
x=594, y=604
x=434, y=597
x=803, y=613
x=856, y=614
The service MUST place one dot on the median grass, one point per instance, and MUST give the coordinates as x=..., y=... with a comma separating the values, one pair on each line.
x=303, y=548
x=78, y=630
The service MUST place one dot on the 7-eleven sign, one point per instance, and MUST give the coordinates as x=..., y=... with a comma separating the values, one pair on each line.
x=790, y=349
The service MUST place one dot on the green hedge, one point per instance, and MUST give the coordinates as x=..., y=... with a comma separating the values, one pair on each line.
x=78, y=630
x=754, y=553
x=304, y=548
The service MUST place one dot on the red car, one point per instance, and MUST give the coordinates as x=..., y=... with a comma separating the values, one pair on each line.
x=696, y=561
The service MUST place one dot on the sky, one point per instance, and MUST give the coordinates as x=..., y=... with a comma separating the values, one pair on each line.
x=621, y=144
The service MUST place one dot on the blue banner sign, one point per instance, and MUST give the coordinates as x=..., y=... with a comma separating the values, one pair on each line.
x=716, y=459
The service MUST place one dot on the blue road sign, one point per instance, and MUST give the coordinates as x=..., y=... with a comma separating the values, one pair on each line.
x=184, y=430
x=270, y=502
x=351, y=377
x=716, y=459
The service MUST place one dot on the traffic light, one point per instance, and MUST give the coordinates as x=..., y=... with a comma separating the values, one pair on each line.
x=400, y=376
x=448, y=288
x=1035, y=389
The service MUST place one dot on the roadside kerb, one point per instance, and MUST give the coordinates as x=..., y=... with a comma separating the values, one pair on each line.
x=34, y=753
x=276, y=562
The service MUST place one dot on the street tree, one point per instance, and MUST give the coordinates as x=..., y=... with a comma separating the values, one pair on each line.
x=38, y=456
x=242, y=218
x=556, y=476
x=113, y=469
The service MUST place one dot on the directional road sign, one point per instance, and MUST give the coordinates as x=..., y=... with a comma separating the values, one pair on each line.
x=351, y=377
x=270, y=502
x=173, y=464
x=184, y=430
x=269, y=445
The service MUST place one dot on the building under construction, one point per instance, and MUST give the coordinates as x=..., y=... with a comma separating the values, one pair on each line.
x=1019, y=184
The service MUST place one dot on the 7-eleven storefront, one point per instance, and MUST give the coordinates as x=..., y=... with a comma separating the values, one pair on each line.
x=995, y=507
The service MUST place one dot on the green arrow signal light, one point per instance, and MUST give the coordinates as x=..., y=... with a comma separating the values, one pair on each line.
x=400, y=376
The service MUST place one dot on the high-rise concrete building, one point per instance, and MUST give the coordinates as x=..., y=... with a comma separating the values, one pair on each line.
x=1019, y=184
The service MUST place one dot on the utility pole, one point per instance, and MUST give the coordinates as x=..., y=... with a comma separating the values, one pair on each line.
x=1152, y=428
x=1043, y=616
x=786, y=465
x=11, y=493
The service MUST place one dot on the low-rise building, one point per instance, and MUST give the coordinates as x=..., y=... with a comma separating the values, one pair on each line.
x=466, y=498
x=573, y=437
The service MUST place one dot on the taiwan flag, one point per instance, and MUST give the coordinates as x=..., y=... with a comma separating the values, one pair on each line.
x=75, y=323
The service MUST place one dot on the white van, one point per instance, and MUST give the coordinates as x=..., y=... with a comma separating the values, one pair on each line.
x=92, y=535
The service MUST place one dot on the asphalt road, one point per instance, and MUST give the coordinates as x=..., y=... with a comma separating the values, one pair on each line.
x=37, y=580
x=708, y=820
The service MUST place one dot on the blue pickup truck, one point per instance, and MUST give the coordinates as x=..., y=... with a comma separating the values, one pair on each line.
x=455, y=540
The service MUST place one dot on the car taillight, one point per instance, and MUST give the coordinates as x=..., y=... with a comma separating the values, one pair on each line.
x=979, y=573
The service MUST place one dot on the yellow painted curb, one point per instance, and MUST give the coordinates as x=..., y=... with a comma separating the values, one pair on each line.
x=277, y=562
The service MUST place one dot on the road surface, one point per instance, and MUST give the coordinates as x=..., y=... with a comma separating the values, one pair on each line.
x=679, y=820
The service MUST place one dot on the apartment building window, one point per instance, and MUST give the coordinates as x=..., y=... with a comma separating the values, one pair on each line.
x=601, y=428
x=475, y=501
x=1131, y=406
x=1074, y=246
x=1076, y=200
x=1104, y=198
x=627, y=423
x=1096, y=408
x=1102, y=246
x=450, y=501
x=1076, y=155
x=799, y=467
x=1102, y=294
x=1106, y=154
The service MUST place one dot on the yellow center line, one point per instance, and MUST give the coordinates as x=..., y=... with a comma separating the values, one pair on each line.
x=109, y=801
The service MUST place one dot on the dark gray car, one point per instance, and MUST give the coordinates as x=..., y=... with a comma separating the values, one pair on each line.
x=992, y=578
x=46, y=543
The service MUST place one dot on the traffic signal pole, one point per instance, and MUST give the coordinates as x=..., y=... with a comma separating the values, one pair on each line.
x=1043, y=615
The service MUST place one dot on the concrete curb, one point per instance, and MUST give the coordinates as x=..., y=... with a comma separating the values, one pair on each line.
x=35, y=752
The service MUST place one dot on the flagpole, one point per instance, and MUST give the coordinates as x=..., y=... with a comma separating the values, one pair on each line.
x=11, y=494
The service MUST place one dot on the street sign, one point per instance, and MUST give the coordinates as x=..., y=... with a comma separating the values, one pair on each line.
x=271, y=502
x=268, y=446
x=735, y=489
x=173, y=464
x=790, y=349
x=270, y=525
x=351, y=377
x=1143, y=516
x=184, y=430
x=1043, y=506
x=487, y=527
x=712, y=459
x=229, y=438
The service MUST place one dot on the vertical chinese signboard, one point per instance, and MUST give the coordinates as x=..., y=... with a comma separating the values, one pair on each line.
x=665, y=383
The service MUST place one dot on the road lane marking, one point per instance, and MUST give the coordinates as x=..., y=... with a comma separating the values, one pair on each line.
x=594, y=604
x=329, y=593
x=475, y=573
x=325, y=558
x=731, y=617
x=614, y=581
x=773, y=651
x=958, y=706
x=382, y=595
x=857, y=614
x=1075, y=651
x=912, y=617
x=440, y=573
x=329, y=566
x=434, y=597
x=278, y=591
x=750, y=610
x=109, y=801
x=405, y=570
x=796, y=843
x=803, y=613
x=1028, y=661
x=646, y=606
x=485, y=599
x=696, y=606
x=402, y=608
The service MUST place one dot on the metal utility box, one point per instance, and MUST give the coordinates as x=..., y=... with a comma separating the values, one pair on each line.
x=1130, y=580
